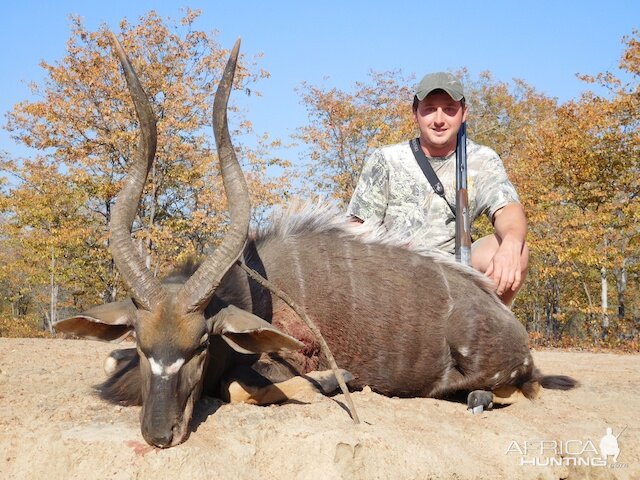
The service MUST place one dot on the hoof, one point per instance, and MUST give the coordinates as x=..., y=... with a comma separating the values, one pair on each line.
x=326, y=381
x=479, y=400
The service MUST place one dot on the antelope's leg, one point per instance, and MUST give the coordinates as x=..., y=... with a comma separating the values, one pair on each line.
x=304, y=387
x=117, y=358
x=480, y=400
x=507, y=395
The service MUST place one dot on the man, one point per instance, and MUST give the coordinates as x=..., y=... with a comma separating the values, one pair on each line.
x=393, y=191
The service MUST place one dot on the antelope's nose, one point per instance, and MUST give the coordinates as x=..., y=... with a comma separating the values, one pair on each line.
x=159, y=439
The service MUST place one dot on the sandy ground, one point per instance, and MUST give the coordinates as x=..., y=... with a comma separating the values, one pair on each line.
x=53, y=426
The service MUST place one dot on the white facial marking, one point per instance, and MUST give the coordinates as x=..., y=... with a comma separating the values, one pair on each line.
x=526, y=361
x=495, y=377
x=464, y=351
x=158, y=368
x=514, y=373
x=174, y=367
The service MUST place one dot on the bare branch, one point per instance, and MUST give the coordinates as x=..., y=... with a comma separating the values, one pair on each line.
x=316, y=331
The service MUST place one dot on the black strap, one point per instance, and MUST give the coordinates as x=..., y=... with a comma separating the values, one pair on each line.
x=428, y=171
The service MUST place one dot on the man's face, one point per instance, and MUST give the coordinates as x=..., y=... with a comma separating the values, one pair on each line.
x=439, y=118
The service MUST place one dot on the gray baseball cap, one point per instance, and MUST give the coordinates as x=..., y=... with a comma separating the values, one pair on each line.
x=440, y=81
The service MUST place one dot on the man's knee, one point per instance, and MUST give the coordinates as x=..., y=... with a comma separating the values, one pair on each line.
x=484, y=249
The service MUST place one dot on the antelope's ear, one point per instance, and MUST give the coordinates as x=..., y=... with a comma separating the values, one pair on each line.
x=247, y=333
x=111, y=322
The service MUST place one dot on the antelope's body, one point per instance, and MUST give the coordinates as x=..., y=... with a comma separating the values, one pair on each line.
x=406, y=323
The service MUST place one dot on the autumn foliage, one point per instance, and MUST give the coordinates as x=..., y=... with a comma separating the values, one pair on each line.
x=56, y=206
x=575, y=165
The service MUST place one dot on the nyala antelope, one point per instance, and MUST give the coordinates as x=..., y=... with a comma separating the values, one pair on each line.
x=406, y=323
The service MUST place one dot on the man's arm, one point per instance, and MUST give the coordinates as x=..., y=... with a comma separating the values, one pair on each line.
x=369, y=199
x=505, y=267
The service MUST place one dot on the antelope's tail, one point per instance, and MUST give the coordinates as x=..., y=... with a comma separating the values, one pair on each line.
x=557, y=382
x=531, y=388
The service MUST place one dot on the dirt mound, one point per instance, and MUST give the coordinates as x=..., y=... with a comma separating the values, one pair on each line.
x=53, y=426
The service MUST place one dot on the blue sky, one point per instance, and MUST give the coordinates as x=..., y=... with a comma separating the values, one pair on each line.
x=336, y=43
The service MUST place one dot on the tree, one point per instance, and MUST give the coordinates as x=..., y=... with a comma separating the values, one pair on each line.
x=83, y=123
x=575, y=166
x=345, y=127
x=616, y=128
x=583, y=187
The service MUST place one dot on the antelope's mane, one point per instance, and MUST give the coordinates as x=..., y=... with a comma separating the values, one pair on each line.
x=324, y=217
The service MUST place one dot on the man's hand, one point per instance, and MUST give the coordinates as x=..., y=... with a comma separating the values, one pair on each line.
x=505, y=267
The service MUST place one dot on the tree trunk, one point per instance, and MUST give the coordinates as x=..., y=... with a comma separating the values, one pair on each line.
x=110, y=290
x=552, y=310
x=604, y=302
x=587, y=325
x=621, y=284
x=53, y=307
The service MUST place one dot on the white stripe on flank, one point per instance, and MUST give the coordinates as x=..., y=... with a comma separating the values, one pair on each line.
x=352, y=293
x=295, y=257
x=464, y=351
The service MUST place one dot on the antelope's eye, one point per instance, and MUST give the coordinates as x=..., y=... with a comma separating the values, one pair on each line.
x=203, y=345
x=141, y=352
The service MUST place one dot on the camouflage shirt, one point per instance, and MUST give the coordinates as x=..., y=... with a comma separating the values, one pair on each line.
x=393, y=191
